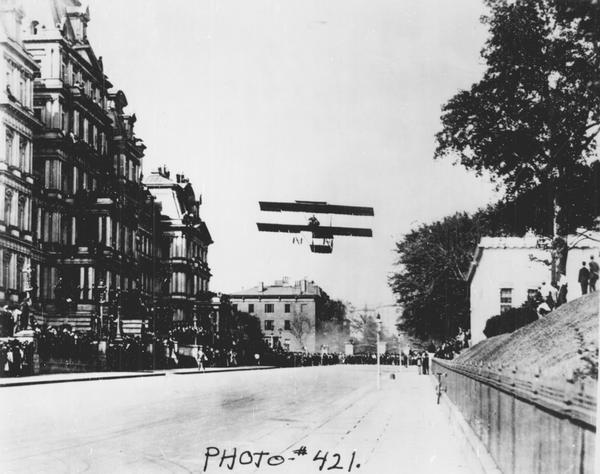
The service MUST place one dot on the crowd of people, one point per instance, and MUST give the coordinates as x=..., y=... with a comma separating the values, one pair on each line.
x=451, y=347
x=371, y=358
x=418, y=358
x=186, y=333
x=549, y=297
x=16, y=358
x=63, y=342
x=17, y=317
x=146, y=351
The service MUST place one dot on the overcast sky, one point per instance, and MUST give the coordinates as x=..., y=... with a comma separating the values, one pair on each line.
x=323, y=100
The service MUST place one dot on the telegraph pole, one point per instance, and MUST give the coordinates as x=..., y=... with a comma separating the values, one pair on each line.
x=378, y=363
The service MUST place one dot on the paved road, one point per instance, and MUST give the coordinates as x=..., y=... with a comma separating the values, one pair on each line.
x=186, y=423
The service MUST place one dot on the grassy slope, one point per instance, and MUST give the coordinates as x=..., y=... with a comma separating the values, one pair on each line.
x=559, y=343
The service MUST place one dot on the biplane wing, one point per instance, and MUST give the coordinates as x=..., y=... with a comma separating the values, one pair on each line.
x=324, y=232
x=320, y=232
x=315, y=207
x=289, y=228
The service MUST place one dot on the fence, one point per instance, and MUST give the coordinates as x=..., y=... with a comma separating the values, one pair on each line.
x=529, y=424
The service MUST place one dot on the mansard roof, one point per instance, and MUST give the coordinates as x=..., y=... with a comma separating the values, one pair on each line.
x=178, y=199
x=53, y=23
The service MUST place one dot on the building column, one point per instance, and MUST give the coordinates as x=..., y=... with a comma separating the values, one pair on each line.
x=81, y=282
x=91, y=279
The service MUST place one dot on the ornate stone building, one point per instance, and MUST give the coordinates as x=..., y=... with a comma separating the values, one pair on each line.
x=93, y=219
x=79, y=231
x=71, y=160
x=17, y=126
x=185, y=247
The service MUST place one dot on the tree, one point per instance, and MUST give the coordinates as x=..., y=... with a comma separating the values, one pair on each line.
x=366, y=326
x=586, y=17
x=433, y=260
x=246, y=335
x=431, y=283
x=532, y=120
x=300, y=326
x=331, y=310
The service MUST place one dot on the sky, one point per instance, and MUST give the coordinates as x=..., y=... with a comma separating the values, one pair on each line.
x=283, y=100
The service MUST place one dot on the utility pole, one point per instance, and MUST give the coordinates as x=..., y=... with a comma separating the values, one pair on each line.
x=378, y=320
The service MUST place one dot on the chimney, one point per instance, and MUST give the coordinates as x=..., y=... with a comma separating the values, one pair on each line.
x=303, y=286
x=79, y=19
x=261, y=286
x=165, y=172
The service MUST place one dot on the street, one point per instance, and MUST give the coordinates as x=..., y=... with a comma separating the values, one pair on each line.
x=283, y=420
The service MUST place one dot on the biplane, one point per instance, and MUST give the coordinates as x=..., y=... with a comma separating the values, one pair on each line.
x=322, y=235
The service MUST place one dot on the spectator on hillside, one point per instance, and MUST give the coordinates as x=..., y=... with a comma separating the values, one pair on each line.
x=460, y=337
x=594, y=269
x=562, y=290
x=549, y=295
x=584, y=278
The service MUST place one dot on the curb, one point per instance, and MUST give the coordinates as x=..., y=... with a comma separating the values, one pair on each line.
x=465, y=433
x=222, y=370
x=116, y=376
x=78, y=379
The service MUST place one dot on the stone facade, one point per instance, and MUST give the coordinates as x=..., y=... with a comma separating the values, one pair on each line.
x=79, y=231
x=281, y=309
x=17, y=128
x=185, y=248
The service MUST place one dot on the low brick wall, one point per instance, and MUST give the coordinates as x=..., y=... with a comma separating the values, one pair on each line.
x=60, y=366
x=527, y=424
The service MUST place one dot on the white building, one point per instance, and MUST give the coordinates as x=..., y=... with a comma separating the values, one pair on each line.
x=507, y=270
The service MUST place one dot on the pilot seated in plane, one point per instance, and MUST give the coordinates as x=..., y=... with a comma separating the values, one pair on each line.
x=313, y=222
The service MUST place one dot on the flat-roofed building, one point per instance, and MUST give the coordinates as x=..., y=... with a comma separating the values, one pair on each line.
x=287, y=312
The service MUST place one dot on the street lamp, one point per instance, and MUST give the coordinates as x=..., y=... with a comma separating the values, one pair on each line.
x=117, y=309
x=378, y=320
x=195, y=322
x=100, y=295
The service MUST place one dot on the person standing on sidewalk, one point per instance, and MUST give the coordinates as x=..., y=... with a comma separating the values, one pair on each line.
x=425, y=363
x=200, y=358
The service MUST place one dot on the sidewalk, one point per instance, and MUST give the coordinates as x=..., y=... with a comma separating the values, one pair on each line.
x=194, y=370
x=92, y=376
x=397, y=429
